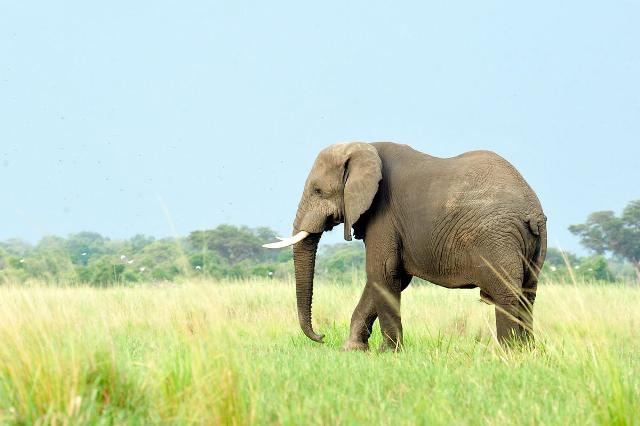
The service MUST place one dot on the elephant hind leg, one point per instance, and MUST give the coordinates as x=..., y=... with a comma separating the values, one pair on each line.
x=510, y=321
x=529, y=288
x=509, y=326
x=502, y=286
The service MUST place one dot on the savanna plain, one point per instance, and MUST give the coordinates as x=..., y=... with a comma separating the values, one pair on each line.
x=231, y=352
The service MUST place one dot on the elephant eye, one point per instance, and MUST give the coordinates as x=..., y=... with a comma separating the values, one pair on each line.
x=317, y=191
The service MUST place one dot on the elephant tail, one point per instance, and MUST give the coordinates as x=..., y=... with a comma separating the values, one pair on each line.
x=533, y=265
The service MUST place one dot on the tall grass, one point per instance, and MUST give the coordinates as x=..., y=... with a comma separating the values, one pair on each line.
x=231, y=353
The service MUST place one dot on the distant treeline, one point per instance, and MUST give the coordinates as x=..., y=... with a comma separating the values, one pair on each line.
x=224, y=252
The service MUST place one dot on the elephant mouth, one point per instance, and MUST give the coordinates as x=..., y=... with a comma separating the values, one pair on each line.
x=331, y=222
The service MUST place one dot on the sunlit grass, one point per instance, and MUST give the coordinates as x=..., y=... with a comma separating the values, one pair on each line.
x=232, y=353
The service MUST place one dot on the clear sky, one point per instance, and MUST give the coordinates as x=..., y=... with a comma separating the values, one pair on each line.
x=140, y=117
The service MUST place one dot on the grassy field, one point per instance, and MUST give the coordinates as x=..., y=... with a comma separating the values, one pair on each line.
x=232, y=353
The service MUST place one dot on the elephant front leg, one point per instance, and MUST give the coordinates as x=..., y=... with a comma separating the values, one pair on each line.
x=362, y=321
x=388, y=308
x=385, y=280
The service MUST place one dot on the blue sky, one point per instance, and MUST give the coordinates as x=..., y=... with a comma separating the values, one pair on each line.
x=144, y=117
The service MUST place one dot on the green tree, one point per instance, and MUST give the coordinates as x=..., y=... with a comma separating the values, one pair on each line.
x=341, y=261
x=8, y=272
x=49, y=261
x=85, y=245
x=138, y=242
x=556, y=257
x=16, y=247
x=605, y=232
x=234, y=244
x=595, y=268
x=4, y=259
x=207, y=264
x=103, y=271
x=163, y=260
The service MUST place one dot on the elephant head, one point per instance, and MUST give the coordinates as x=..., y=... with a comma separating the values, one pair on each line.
x=339, y=189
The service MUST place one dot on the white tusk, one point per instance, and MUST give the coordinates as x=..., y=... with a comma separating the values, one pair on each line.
x=286, y=242
x=282, y=238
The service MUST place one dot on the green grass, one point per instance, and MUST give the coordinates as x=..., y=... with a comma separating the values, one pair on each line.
x=232, y=353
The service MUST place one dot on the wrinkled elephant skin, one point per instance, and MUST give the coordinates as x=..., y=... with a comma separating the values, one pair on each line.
x=462, y=222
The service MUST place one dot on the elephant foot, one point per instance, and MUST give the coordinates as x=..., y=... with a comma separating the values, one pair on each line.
x=355, y=346
x=389, y=347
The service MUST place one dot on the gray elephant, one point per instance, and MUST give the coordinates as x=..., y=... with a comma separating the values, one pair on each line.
x=463, y=222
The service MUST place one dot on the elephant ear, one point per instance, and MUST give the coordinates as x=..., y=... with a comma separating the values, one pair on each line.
x=363, y=172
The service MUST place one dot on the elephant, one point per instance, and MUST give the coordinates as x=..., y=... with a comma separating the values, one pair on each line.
x=462, y=222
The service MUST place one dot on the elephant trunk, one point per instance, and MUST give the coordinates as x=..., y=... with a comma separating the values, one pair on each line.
x=304, y=259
